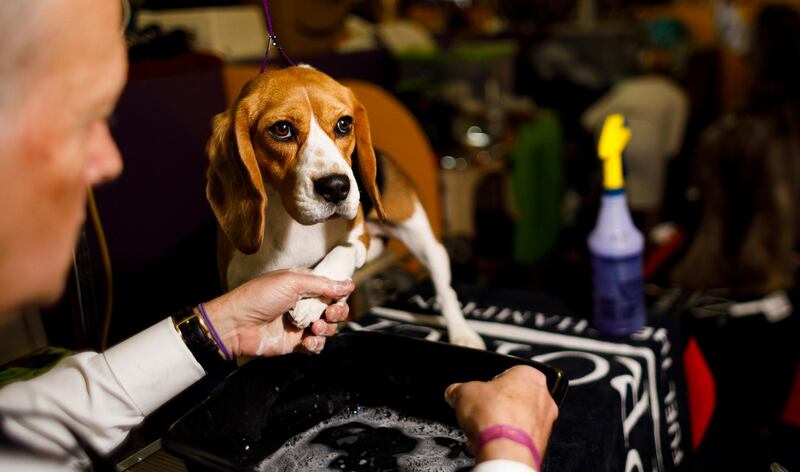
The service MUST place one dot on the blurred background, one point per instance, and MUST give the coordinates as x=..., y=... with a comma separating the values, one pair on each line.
x=499, y=102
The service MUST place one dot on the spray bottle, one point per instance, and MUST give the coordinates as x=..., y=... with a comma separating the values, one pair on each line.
x=616, y=246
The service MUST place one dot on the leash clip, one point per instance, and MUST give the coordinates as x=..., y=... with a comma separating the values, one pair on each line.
x=272, y=40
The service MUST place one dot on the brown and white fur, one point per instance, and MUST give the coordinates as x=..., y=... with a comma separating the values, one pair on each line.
x=280, y=162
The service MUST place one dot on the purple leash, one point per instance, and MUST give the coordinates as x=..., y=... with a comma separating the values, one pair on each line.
x=272, y=40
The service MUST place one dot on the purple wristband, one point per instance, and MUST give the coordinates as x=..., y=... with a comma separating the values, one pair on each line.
x=504, y=431
x=213, y=332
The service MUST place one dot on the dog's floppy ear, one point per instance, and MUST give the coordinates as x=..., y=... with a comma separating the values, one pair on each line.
x=235, y=188
x=367, y=163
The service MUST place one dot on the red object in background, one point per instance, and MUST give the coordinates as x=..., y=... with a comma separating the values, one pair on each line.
x=665, y=251
x=791, y=413
x=701, y=389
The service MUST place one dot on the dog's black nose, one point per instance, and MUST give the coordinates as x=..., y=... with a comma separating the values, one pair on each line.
x=333, y=188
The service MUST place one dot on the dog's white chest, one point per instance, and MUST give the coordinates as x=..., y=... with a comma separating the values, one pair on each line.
x=287, y=244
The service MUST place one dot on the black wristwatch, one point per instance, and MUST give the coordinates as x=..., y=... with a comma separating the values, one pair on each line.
x=201, y=344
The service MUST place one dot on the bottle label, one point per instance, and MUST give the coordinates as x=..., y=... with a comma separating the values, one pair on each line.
x=619, y=307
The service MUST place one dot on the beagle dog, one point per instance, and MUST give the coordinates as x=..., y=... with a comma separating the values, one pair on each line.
x=288, y=163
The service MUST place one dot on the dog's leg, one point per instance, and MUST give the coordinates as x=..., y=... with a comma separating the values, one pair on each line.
x=376, y=247
x=417, y=235
x=339, y=264
x=376, y=240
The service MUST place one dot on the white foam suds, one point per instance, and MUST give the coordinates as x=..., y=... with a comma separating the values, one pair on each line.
x=299, y=454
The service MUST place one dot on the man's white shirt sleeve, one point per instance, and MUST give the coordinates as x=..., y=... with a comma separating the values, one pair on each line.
x=502, y=465
x=100, y=397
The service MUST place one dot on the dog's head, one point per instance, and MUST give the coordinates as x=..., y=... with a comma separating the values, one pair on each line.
x=296, y=130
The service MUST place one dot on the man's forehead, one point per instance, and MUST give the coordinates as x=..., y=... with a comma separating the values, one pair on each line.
x=79, y=55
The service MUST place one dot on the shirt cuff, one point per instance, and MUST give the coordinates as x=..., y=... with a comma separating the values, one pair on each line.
x=502, y=465
x=154, y=366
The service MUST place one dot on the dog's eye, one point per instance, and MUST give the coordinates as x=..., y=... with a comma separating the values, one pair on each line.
x=344, y=125
x=282, y=131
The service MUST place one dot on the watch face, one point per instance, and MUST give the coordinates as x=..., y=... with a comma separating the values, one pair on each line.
x=199, y=342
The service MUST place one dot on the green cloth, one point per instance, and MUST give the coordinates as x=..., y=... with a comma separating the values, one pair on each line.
x=537, y=181
x=33, y=365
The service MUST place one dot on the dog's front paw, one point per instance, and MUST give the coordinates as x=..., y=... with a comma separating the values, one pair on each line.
x=307, y=311
x=465, y=336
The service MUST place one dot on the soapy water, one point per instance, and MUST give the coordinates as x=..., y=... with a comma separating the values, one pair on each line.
x=373, y=439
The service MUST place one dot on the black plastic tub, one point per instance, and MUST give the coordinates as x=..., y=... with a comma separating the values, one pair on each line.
x=268, y=401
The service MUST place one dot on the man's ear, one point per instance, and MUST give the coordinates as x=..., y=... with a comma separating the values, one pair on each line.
x=235, y=188
x=367, y=163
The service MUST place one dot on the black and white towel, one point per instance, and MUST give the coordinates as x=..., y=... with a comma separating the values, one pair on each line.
x=625, y=409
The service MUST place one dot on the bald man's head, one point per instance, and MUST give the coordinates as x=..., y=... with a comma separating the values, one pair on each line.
x=62, y=68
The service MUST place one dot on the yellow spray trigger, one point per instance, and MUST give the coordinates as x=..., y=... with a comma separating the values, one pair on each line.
x=613, y=139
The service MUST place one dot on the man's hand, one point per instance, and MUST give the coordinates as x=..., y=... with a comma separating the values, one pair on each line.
x=250, y=320
x=517, y=397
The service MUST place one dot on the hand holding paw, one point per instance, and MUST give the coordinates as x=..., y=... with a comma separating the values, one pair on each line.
x=250, y=320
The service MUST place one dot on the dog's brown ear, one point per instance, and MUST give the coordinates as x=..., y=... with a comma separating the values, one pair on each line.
x=367, y=164
x=235, y=188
